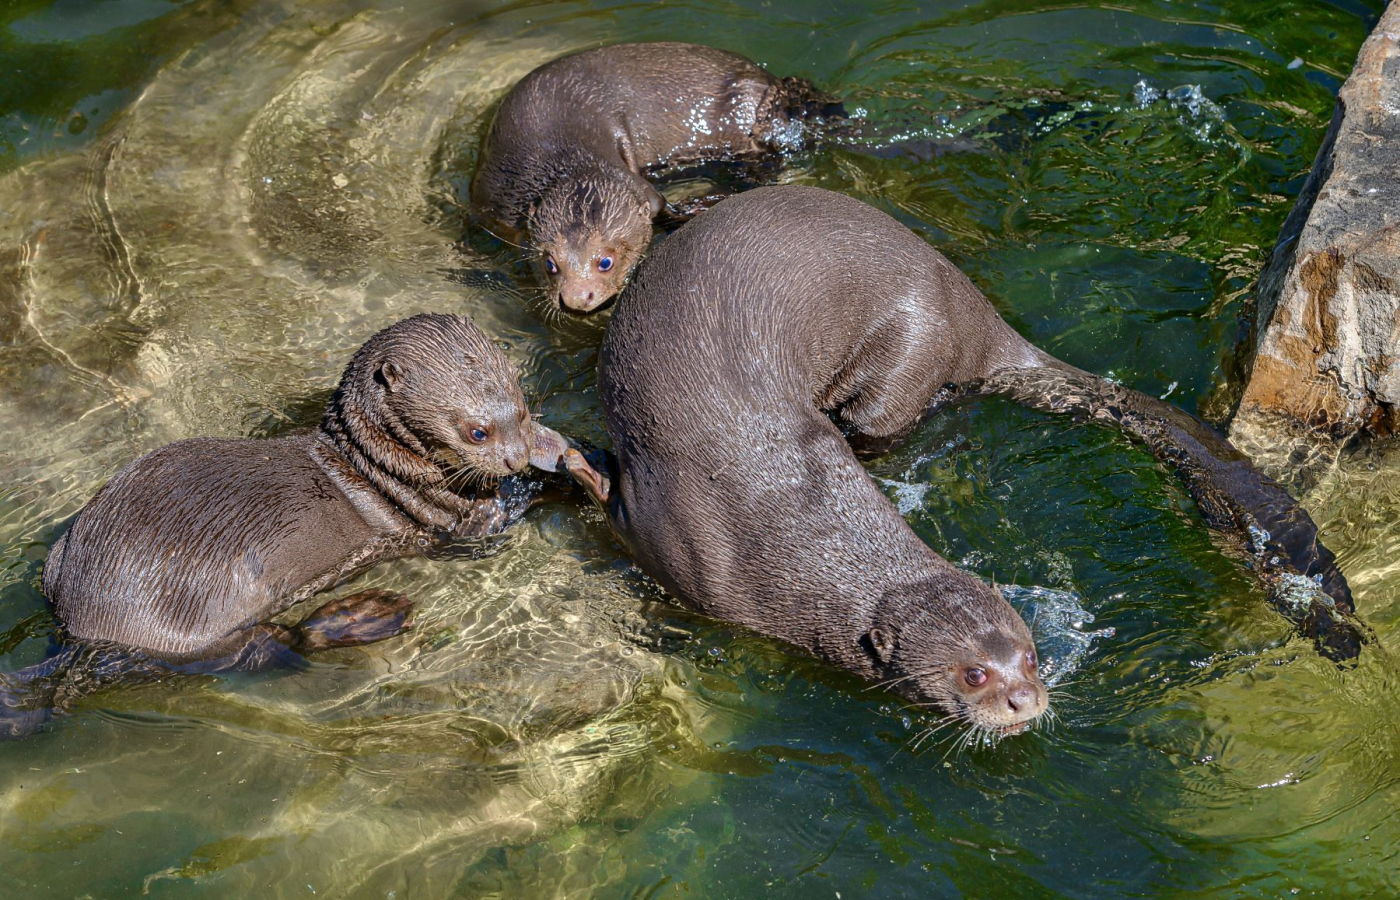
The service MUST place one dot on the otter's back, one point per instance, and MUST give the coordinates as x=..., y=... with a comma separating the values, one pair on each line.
x=736, y=337
x=663, y=96
x=630, y=105
x=200, y=539
x=787, y=298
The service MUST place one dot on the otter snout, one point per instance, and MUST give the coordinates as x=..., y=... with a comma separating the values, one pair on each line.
x=583, y=297
x=1001, y=691
x=1018, y=697
x=517, y=460
x=1024, y=697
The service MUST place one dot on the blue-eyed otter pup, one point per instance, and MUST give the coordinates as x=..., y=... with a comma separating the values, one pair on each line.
x=564, y=164
x=743, y=348
x=187, y=552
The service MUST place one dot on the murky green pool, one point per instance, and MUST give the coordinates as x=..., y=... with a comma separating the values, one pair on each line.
x=205, y=207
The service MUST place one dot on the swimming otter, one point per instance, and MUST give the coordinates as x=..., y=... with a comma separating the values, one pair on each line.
x=736, y=345
x=187, y=552
x=564, y=162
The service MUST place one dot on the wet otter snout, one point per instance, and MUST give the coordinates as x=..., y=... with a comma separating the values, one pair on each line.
x=988, y=678
x=1000, y=687
x=590, y=235
x=583, y=294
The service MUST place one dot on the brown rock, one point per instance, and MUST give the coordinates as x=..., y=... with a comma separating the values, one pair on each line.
x=1327, y=352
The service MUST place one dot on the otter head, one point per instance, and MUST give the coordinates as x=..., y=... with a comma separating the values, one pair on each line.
x=965, y=651
x=591, y=231
x=434, y=391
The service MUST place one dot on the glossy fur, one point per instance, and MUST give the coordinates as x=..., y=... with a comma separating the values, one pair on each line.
x=563, y=166
x=741, y=339
x=187, y=551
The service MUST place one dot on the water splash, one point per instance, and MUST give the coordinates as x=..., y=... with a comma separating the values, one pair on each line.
x=907, y=496
x=1204, y=117
x=1297, y=593
x=1057, y=620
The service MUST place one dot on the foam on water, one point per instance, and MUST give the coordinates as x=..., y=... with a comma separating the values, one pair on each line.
x=907, y=497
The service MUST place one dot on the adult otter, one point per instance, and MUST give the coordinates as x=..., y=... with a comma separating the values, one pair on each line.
x=735, y=345
x=563, y=165
x=187, y=552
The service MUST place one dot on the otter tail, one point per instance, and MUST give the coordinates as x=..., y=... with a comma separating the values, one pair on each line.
x=1299, y=574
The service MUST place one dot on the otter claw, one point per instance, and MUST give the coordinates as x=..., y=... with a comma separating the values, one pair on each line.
x=590, y=479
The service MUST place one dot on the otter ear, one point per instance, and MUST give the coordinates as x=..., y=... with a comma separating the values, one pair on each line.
x=389, y=375
x=880, y=642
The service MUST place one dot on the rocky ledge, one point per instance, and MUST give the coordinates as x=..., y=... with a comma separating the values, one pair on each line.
x=1326, y=358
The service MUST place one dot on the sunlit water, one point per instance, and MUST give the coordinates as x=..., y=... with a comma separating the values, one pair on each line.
x=208, y=207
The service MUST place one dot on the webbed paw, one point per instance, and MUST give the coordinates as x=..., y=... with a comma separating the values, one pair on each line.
x=361, y=618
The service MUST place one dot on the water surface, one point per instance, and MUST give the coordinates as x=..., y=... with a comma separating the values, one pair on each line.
x=208, y=206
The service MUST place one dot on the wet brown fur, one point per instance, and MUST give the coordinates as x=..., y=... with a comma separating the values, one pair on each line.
x=724, y=364
x=564, y=164
x=189, y=550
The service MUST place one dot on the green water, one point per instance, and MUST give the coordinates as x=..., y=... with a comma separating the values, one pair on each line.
x=205, y=207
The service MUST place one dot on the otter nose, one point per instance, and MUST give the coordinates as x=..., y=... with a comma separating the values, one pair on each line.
x=1022, y=698
x=517, y=457
x=579, y=300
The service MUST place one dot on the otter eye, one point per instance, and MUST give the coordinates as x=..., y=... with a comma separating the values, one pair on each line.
x=1031, y=658
x=478, y=435
x=551, y=266
x=975, y=677
x=604, y=264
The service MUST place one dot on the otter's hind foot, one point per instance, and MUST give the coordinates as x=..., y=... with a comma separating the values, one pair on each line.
x=594, y=483
x=361, y=618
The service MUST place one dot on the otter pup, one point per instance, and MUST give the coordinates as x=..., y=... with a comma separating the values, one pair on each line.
x=187, y=552
x=744, y=347
x=563, y=166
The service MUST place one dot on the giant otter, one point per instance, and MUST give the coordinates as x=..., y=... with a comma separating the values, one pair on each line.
x=187, y=552
x=563, y=166
x=744, y=347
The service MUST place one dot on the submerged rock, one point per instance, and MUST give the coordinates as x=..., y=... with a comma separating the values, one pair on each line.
x=1327, y=357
